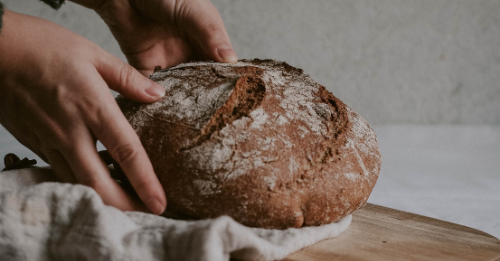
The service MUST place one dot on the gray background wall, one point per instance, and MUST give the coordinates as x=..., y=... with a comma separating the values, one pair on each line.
x=422, y=62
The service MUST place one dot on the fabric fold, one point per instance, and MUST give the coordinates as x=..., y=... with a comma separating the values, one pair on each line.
x=54, y=221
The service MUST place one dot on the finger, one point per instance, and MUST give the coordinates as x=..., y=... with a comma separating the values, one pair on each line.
x=116, y=134
x=60, y=167
x=200, y=19
x=126, y=80
x=89, y=170
x=203, y=22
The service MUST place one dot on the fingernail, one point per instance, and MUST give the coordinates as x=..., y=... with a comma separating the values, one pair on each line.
x=155, y=206
x=155, y=90
x=227, y=54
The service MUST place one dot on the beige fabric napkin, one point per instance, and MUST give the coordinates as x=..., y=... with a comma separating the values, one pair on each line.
x=54, y=221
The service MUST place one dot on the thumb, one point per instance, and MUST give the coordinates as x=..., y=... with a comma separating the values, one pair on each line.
x=126, y=80
x=200, y=19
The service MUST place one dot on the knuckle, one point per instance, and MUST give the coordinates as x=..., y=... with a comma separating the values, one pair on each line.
x=180, y=6
x=98, y=128
x=184, y=11
x=212, y=28
x=90, y=108
x=99, y=117
x=125, y=153
x=126, y=75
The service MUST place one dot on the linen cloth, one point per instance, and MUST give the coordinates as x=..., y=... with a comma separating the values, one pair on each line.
x=43, y=220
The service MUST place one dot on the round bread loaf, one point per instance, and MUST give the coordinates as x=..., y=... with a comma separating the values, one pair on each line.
x=257, y=140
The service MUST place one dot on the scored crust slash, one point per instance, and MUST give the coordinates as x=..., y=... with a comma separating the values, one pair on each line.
x=257, y=140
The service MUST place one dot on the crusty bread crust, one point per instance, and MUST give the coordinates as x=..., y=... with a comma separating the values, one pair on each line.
x=259, y=141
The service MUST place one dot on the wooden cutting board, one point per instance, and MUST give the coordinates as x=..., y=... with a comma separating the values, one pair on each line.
x=380, y=233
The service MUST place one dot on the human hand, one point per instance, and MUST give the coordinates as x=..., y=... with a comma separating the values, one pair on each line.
x=166, y=32
x=54, y=99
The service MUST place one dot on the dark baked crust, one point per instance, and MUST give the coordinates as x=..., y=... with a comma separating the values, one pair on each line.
x=259, y=141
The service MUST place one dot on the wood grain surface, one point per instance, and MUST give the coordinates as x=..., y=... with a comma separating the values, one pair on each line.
x=380, y=233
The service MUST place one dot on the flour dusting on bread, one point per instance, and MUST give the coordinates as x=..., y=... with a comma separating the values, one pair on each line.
x=258, y=140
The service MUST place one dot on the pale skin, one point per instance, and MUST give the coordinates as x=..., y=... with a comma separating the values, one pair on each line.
x=54, y=87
